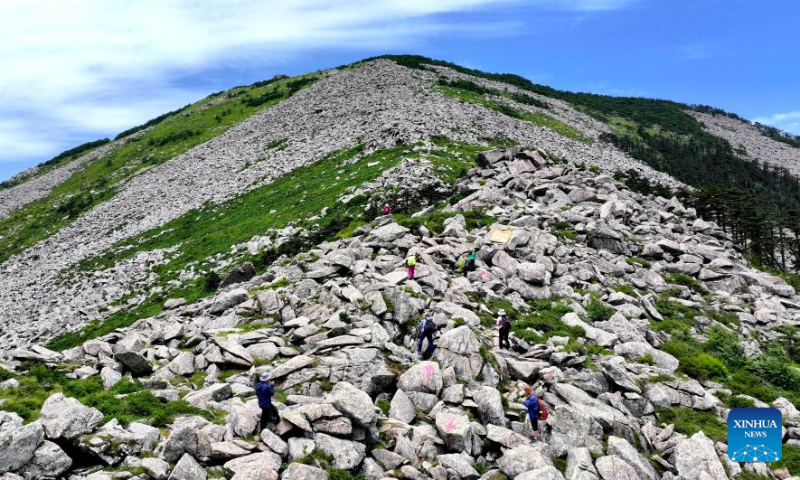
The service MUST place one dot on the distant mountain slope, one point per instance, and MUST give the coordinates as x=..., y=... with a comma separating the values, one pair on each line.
x=751, y=143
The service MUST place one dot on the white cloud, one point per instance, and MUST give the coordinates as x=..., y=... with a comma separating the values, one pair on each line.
x=20, y=139
x=102, y=66
x=788, y=121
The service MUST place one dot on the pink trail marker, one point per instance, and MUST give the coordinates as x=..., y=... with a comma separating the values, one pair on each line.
x=427, y=371
x=451, y=425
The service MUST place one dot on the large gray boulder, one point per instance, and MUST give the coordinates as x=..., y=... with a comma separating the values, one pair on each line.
x=49, y=461
x=256, y=466
x=155, y=468
x=612, y=467
x=213, y=393
x=238, y=274
x=634, y=350
x=505, y=437
x=18, y=447
x=580, y=465
x=228, y=300
x=544, y=473
x=460, y=463
x=460, y=348
x=401, y=407
x=244, y=417
x=620, y=447
x=292, y=365
x=490, y=405
x=274, y=442
x=68, y=418
x=134, y=362
x=354, y=403
x=603, y=413
x=10, y=421
x=423, y=377
x=527, y=371
x=187, y=436
x=346, y=454
x=598, y=336
x=695, y=456
x=110, y=377
x=187, y=468
x=454, y=429
x=387, y=233
x=299, y=471
x=227, y=450
x=523, y=459
x=570, y=428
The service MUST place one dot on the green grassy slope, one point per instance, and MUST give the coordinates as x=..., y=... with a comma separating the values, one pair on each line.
x=168, y=137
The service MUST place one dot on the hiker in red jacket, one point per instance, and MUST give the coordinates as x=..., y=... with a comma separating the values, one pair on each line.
x=387, y=210
x=533, y=405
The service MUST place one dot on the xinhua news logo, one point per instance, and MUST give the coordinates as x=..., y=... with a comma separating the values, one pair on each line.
x=754, y=435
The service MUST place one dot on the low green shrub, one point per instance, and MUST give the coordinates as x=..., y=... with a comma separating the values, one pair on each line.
x=626, y=289
x=733, y=401
x=776, y=367
x=646, y=359
x=545, y=316
x=384, y=405
x=725, y=345
x=686, y=281
x=599, y=311
x=790, y=459
x=688, y=422
x=638, y=261
x=676, y=316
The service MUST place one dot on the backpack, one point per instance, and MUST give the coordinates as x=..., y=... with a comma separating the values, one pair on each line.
x=411, y=260
x=543, y=412
x=430, y=326
x=505, y=322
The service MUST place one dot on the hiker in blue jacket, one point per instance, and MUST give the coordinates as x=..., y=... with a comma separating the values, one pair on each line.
x=265, y=389
x=532, y=404
x=427, y=327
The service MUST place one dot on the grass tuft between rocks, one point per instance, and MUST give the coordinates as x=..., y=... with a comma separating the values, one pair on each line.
x=126, y=401
x=688, y=422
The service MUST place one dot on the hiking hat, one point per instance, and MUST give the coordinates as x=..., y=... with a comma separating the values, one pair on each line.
x=501, y=312
x=265, y=376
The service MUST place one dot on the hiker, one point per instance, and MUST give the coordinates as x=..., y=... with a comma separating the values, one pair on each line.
x=265, y=389
x=536, y=411
x=504, y=323
x=411, y=263
x=387, y=210
x=469, y=262
x=427, y=327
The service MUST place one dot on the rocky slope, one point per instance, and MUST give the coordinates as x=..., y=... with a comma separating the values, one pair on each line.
x=379, y=104
x=603, y=284
x=751, y=143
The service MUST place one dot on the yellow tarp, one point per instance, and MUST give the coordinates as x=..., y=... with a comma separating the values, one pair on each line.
x=500, y=236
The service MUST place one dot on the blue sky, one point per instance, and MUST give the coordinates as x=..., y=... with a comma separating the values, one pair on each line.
x=86, y=69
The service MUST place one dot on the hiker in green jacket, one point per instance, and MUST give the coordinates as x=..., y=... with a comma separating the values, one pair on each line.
x=469, y=262
x=411, y=263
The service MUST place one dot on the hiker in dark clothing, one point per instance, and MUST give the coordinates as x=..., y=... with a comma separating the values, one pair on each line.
x=504, y=324
x=427, y=327
x=265, y=389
